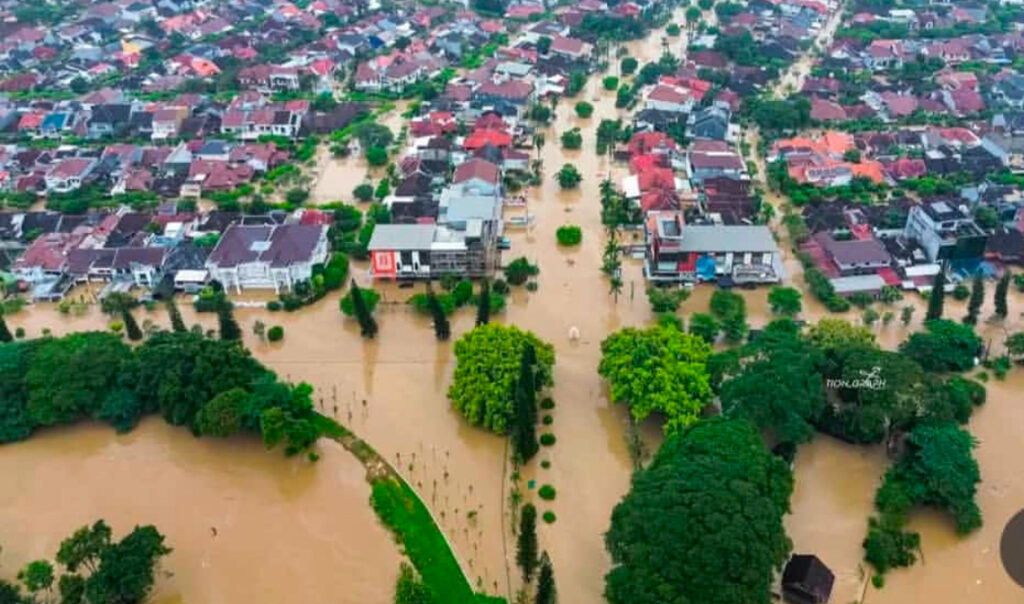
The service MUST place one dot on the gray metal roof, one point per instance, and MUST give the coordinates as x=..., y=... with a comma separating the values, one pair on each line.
x=721, y=238
x=396, y=237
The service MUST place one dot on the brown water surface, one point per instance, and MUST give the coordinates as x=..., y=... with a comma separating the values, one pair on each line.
x=246, y=525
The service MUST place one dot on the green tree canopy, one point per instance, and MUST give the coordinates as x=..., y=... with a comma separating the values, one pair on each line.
x=777, y=384
x=943, y=346
x=487, y=368
x=686, y=530
x=659, y=369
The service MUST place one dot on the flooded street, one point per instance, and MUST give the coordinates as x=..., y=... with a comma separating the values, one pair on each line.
x=245, y=525
x=288, y=530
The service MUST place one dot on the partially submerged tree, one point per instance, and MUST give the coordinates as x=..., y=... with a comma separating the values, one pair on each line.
x=442, y=329
x=487, y=370
x=177, y=323
x=229, y=329
x=785, y=301
x=977, y=298
x=526, y=542
x=546, y=592
x=935, y=300
x=685, y=526
x=657, y=369
x=483, y=304
x=362, y=312
x=1000, y=297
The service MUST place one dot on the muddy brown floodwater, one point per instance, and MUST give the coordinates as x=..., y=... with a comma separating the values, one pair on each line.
x=245, y=525
x=314, y=520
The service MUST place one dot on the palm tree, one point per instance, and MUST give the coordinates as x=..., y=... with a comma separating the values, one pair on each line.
x=615, y=287
x=538, y=142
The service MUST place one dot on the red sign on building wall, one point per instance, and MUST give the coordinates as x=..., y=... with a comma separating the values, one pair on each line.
x=383, y=263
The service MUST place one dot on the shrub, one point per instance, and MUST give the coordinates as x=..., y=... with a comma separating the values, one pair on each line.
x=363, y=192
x=545, y=464
x=370, y=296
x=275, y=333
x=672, y=30
x=519, y=270
x=610, y=83
x=569, y=234
x=547, y=404
x=961, y=292
x=421, y=303
x=531, y=286
x=273, y=306
x=376, y=156
x=569, y=177
x=572, y=139
x=547, y=439
x=548, y=420
x=584, y=109
x=500, y=286
x=547, y=492
x=628, y=65
x=463, y=292
x=296, y=196
x=549, y=517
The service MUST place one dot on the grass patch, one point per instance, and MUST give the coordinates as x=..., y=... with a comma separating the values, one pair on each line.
x=402, y=511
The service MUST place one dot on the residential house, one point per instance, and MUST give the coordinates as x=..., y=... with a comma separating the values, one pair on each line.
x=944, y=232
x=711, y=158
x=710, y=123
x=680, y=253
x=69, y=174
x=423, y=251
x=264, y=257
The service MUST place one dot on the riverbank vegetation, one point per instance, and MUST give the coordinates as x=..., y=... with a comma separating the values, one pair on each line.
x=92, y=568
x=188, y=379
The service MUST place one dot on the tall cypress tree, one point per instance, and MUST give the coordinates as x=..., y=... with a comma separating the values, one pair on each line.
x=5, y=334
x=367, y=324
x=442, y=329
x=130, y=326
x=526, y=550
x=936, y=300
x=483, y=306
x=177, y=323
x=977, y=298
x=229, y=329
x=524, y=421
x=546, y=592
x=1001, y=289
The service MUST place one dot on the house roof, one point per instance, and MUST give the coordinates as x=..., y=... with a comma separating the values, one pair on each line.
x=667, y=94
x=720, y=238
x=476, y=169
x=72, y=167
x=854, y=251
x=397, y=237
x=279, y=245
